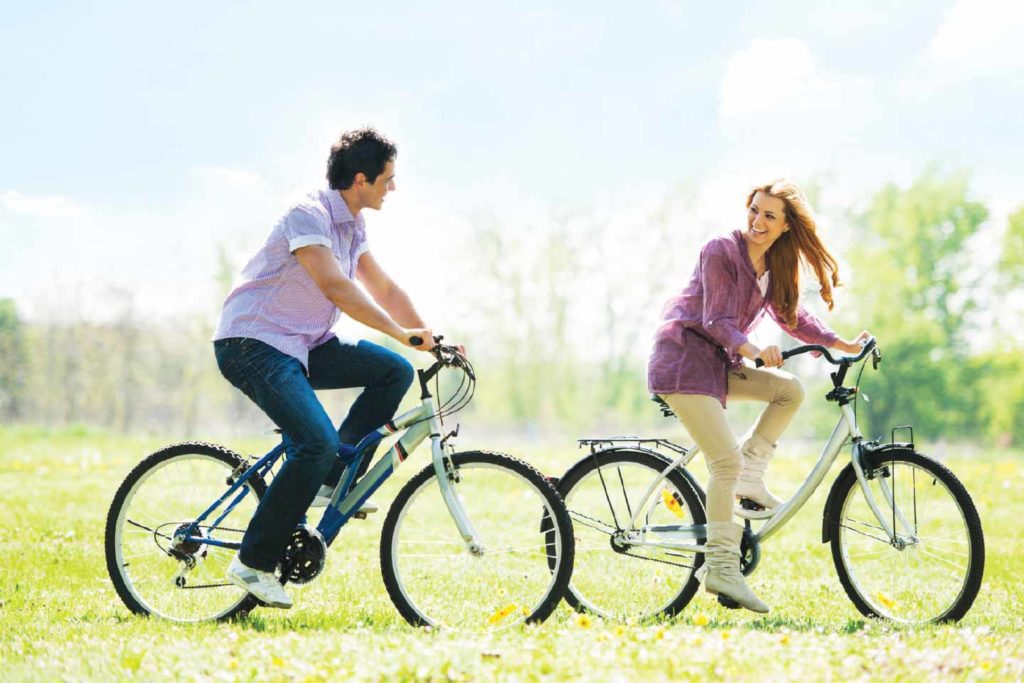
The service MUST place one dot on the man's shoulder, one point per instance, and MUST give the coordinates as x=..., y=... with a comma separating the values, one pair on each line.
x=305, y=211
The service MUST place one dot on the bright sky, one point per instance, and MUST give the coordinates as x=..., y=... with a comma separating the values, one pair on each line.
x=137, y=137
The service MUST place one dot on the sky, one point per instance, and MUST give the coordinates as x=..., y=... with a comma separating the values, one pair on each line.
x=140, y=138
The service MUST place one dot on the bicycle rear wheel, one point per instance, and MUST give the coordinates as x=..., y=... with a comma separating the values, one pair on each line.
x=435, y=579
x=933, y=571
x=616, y=579
x=167, y=490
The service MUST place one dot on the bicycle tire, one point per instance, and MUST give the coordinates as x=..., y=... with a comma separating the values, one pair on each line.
x=601, y=589
x=481, y=595
x=234, y=601
x=866, y=585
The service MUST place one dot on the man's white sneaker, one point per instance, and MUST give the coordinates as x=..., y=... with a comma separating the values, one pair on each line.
x=323, y=499
x=263, y=585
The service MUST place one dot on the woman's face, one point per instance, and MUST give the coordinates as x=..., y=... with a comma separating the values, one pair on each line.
x=766, y=220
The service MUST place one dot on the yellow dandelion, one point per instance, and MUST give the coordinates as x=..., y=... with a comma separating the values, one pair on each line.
x=502, y=613
x=659, y=634
x=986, y=665
x=725, y=635
x=700, y=620
x=277, y=661
x=233, y=664
x=784, y=640
x=620, y=630
x=584, y=621
x=885, y=600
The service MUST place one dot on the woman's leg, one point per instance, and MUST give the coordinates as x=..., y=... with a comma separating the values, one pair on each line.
x=704, y=419
x=783, y=393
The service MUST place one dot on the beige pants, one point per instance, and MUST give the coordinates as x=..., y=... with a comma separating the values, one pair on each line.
x=704, y=418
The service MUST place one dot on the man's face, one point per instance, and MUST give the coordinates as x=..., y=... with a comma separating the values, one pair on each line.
x=372, y=194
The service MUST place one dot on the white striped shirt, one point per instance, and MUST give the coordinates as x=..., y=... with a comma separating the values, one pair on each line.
x=276, y=301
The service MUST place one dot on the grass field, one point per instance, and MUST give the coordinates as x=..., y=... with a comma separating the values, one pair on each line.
x=60, y=618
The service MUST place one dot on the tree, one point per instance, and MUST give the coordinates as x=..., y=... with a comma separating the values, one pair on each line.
x=12, y=361
x=912, y=288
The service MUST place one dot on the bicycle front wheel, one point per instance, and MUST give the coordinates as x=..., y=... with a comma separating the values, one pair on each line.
x=434, y=576
x=617, y=575
x=932, y=571
x=168, y=490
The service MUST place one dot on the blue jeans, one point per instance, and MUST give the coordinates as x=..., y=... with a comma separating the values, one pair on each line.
x=281, y=387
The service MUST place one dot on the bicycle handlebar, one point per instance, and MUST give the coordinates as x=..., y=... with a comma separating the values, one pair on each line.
x=867, y=347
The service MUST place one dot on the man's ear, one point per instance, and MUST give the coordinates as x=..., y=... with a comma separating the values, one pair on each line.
x=359, y=179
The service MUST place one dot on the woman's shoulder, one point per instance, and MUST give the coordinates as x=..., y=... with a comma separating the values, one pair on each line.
x=727, y=244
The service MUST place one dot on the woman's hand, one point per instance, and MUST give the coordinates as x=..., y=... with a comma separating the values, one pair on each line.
x=771, y=356
x=852, y=347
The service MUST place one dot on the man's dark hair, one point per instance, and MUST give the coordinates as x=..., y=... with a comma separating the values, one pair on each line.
x=358, y=151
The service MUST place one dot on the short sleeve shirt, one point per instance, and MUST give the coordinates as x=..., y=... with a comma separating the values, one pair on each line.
x=276, y=301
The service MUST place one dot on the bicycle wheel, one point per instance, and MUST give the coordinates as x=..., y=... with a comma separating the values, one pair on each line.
x=435, y=579
x=933, y=571
x=618, y=580
x=151, y=573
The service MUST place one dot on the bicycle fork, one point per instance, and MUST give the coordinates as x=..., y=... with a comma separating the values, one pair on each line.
x=883, y=484
x=446, y=475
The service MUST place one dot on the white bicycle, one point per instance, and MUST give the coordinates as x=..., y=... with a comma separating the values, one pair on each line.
x=905, y=536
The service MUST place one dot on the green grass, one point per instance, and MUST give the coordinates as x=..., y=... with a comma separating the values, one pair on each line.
x=61, y=619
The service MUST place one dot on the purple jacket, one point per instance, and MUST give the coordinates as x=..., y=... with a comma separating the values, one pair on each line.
x=703, y=328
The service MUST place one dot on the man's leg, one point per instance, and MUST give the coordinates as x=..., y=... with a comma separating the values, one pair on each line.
x=277, y=383
x=385, y=375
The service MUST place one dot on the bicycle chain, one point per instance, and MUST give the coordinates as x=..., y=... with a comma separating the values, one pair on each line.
x=641, y=557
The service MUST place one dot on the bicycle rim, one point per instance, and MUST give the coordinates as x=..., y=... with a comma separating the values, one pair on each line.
x=636, y=582
x=926, y=578
x=171, y=493
x=508, y=581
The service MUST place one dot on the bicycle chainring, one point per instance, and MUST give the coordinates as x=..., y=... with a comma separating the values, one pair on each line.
x=305, y=555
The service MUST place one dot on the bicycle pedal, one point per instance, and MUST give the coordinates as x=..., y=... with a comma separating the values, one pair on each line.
x=748, y=504
x=727, y=602
x=360, y=515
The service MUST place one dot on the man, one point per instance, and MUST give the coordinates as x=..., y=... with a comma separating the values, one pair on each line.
x=274, y=344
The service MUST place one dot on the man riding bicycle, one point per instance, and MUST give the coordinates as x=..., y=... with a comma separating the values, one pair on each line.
x=274, y=343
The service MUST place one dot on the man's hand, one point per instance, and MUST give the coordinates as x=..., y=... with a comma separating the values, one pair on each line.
x=425, y=335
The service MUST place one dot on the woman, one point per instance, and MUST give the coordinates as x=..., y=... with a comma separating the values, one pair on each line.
x=697, y=364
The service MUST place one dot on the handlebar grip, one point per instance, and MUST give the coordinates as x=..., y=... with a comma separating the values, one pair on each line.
x=416, y=341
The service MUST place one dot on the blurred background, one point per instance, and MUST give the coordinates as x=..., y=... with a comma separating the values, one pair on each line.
x=559, y=166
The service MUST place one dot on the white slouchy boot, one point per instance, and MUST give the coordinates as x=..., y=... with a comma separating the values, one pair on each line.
x=757, y=452
x=720, y=572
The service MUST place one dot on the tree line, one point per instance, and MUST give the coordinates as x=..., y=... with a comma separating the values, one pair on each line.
x=559, y=316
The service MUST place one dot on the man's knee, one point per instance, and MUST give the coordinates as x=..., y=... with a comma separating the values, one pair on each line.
x=401, y=372
x=320, y=447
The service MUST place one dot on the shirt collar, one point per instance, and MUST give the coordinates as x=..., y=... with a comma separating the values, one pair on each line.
x=339, y=209
x=741, y=243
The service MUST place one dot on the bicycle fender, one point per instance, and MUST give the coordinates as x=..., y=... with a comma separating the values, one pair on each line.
x=634, y=449
x=871, y=458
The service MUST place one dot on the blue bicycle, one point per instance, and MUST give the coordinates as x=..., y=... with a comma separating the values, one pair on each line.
x=460, y=547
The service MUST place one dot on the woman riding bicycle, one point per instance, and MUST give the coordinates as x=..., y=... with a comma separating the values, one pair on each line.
x=696, y=363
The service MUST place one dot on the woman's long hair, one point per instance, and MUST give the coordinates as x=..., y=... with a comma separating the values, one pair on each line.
x=799, y=243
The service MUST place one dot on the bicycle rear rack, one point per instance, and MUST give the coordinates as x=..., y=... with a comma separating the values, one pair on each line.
x=596, y=444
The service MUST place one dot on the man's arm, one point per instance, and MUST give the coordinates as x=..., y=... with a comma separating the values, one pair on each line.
x=385, y=292
x=323, y=268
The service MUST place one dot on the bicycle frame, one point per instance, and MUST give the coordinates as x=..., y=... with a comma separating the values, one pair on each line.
x=683, y=537
x=419, y=423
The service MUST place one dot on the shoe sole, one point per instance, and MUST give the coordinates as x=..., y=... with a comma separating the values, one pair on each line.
x=241, y=583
